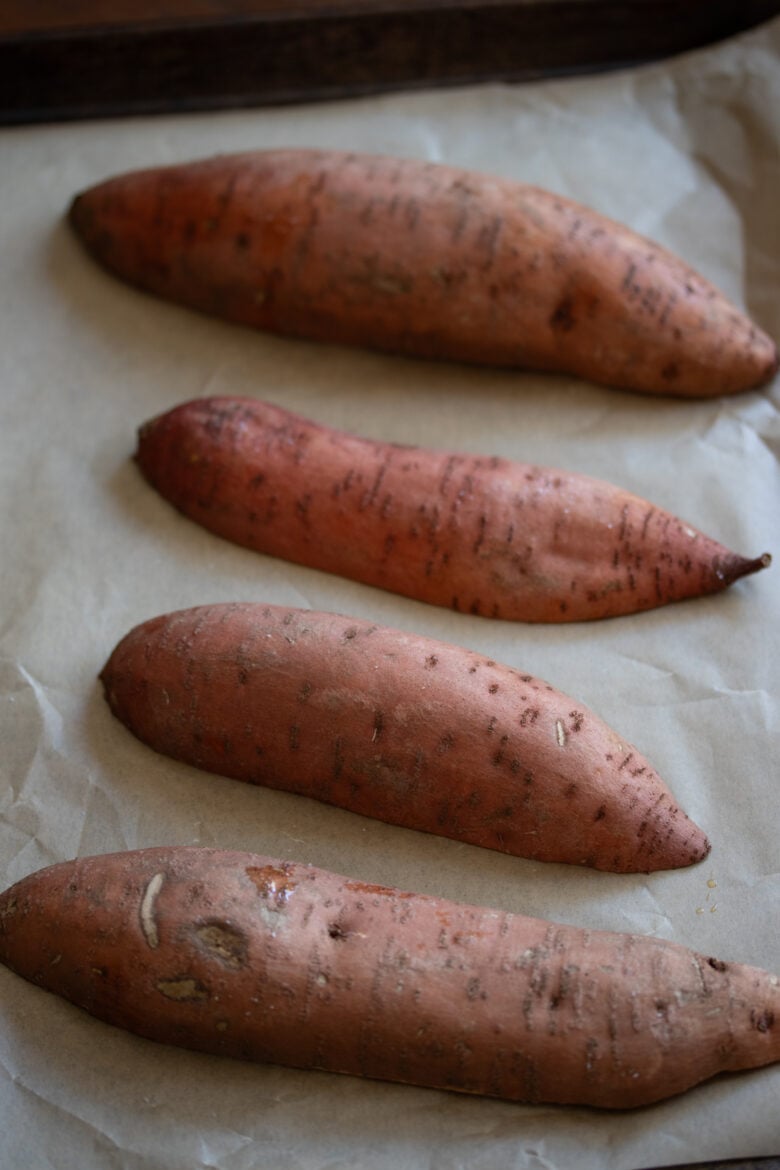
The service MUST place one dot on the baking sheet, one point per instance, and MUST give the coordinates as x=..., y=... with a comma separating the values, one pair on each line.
x=686, y=152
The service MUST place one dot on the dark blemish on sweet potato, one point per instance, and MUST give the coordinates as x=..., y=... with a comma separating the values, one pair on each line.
x=763, y=1021
x=338, y=757
x=474, y=989
x=446, y=742
x=302, y=505
x=628, y=279
x=563, y=317
x=498, y=755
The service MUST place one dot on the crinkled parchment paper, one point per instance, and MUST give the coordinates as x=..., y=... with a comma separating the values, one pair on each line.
x=684, y=151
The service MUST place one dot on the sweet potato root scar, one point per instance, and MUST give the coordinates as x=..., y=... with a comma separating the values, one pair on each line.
x=148, y=922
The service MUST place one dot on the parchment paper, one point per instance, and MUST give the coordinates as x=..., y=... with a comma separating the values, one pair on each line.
x=686, y=152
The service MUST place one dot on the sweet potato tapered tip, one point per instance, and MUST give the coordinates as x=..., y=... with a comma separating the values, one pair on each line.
x=270, y=960
x=422, y=259
x=744, y=566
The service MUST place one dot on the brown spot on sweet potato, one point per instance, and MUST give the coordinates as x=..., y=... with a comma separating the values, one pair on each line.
x=184, y=989
x=474, y=989
x=563, y=318
x=272, y=881
x=358, y=887
x=225, y=942
x=763, y=1021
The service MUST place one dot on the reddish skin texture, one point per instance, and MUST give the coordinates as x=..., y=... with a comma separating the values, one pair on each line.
x=268, y=960
x=425, y=260
x=398, y=727
x=476, y=534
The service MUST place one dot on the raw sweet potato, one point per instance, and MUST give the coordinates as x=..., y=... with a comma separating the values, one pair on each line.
x=481, y=535
x=269, y=960
x=399, y=727
x=422, y=259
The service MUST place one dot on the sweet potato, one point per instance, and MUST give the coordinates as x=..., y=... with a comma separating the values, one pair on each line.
x=268, y=960
x=399, y=727
x=477, y=534
x=422, y=259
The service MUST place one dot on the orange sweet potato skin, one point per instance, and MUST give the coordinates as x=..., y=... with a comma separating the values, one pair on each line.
x=422, y=259
x=268, y=960
x=405, y=729
x=480, y=535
